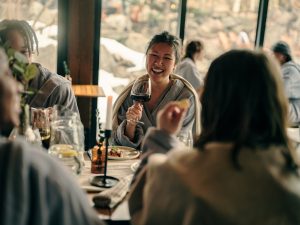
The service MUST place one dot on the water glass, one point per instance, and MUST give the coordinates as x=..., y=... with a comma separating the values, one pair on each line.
x=68, y=156
x=67, y=139
x=186, y=137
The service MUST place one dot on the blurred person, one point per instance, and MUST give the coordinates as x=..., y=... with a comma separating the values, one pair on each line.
x=187, y=67
x=291, y=77
x=241, y=170
x=162, y=55
x=51, y=89
x=34, y=188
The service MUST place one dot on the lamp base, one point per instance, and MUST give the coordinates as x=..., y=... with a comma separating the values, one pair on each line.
x=104, y=181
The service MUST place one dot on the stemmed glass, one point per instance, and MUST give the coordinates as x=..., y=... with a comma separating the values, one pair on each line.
x=141, y=92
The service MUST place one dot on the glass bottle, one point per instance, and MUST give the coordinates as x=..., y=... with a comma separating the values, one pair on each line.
x=98, y=154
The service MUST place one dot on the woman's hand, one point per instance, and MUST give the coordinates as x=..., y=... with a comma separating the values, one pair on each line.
x=134, y=113
x=170, y=118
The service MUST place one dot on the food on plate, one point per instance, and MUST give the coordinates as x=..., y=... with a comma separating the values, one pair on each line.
x=115, y=152
x=184, y=103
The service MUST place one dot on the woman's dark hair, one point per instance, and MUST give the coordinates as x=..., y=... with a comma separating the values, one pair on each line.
x=243, y=102
x=192, y=48
x=24, y=28
x=171, y=40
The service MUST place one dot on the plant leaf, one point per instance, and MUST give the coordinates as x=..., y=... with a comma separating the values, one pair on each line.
x=30, y=72
x=10, y=53
x=20, y=57
x=17, y=68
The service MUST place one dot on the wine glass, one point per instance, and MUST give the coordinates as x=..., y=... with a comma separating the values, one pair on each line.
x=141, y=92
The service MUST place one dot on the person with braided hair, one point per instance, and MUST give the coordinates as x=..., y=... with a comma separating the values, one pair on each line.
x=35, y=188
x=51, y=89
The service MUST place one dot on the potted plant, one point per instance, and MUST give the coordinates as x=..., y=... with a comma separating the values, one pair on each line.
x=23, y=72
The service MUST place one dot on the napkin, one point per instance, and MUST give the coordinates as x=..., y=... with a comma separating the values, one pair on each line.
x=111, y=197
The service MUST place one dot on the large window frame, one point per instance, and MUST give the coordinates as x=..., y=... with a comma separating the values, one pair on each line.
x=72, y=14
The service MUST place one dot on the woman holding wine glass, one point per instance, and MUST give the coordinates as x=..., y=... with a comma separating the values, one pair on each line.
x=136, y=108
x=243, y=168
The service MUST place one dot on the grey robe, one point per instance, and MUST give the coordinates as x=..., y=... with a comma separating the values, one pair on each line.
x=291, y=77
x=52, y=89
x=35, y=189
x=202, y=187
x=188, y=70
x=176, y=91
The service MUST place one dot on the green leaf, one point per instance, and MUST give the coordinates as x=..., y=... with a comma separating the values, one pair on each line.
x=32, y=90
x=21, y=58
x=10, y=53
x=17, y=68
x=27, y=92
x=30, y=72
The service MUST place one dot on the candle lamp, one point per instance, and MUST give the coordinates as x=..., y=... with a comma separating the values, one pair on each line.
x=104, y=180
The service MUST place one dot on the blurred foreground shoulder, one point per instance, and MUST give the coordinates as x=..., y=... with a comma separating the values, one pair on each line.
x=37, y=189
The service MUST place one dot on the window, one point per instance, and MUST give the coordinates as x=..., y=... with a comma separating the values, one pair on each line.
x=221, y=25
x=283, y=25
x=126, y=28
x=42, y=16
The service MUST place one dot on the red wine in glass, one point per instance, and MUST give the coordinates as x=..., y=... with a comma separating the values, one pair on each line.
x=140, y=98
x=141, y=90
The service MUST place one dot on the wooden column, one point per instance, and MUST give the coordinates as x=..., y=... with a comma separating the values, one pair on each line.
x=81, y=38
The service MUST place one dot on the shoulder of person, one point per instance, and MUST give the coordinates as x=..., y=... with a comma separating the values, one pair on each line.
x=59, y=79
x=177, y=161
x=23, y=152
x=48, y=75
x=174, y=156
x=186, y=62
x=291, y=66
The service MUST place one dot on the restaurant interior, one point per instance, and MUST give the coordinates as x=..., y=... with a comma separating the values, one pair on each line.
x=102, y=46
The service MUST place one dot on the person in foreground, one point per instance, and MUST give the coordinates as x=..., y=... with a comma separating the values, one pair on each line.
x=34, y=188
x=162, y=55
x=51, y=89
x=291, y=76
x=241, y=170
x=187, y=67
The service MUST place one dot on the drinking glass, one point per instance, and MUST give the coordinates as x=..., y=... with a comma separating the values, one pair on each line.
x=40, y=119
x=67, y=139
x=186, y=137
x=141, y=92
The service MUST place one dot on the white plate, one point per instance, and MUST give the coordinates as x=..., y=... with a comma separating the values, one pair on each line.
x=135, y=166
x=127, y=153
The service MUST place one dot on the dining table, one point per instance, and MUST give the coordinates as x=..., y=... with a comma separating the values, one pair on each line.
x=119, y=169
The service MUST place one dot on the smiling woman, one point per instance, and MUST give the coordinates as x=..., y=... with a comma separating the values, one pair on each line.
x=162, y=55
